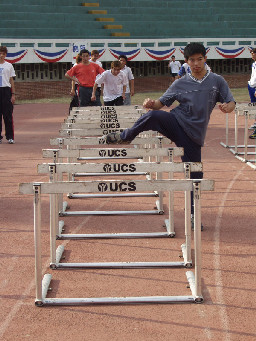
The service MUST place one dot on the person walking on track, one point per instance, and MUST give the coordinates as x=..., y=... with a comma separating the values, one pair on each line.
x=7, y=96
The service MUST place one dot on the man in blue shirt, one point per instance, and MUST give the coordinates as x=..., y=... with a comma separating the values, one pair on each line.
x=186, y=125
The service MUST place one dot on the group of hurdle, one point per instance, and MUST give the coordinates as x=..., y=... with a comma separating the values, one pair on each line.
x=243, y=151
x=148, y=162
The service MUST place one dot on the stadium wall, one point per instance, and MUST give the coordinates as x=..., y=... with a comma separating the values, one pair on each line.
x=41, y=64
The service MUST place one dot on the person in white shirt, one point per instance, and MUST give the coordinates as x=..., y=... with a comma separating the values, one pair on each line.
x=7, y=96
x=130, y=79
x=94, y=58
x=174, y=66
x=252, y=88
x=114, y=85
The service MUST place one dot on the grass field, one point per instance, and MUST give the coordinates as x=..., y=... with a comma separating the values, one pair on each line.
x=240, y=95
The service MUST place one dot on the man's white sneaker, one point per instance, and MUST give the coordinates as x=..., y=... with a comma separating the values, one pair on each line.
x=11, y=141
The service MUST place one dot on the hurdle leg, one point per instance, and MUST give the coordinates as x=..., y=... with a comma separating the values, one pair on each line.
x=236, y=132
x=186, y=248
x=197, y=242
x=37, y=239
x=169, y=223
x=159, y=176
x=53, y=228
x=227, y=128
x=245, y=135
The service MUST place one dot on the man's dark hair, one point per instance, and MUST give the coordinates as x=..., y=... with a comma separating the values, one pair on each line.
x=253, y=50
x=194, y=48
x=83, y=51
x=123, y=56
x=3, y=49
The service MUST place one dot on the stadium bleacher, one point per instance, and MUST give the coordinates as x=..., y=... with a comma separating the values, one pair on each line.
x=71, y=19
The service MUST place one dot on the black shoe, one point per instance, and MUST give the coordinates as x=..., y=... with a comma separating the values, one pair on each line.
x=253, y=135
x=115, y=138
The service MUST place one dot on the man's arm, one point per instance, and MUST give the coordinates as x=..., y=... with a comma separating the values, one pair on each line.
x=124, y=90
x=152, y=104
x=227, y=107
x=132, y=87
x=93, y=98
x=13, y=90
x=72, y=78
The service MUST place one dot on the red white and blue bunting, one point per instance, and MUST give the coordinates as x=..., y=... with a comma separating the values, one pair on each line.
x=15, y=57
x=51, y=57
x=230, y=53
x=129, y=54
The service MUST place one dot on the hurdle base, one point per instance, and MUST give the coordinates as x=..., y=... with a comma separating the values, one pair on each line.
x=168, y=228
x=61, y=226
x=118, y=265
x=159, y=207
x=224, y=145
x=191, y=280
x=65, y=206
x=78, y=213
x=117, y=300
x=62, y=236
x=114, y=300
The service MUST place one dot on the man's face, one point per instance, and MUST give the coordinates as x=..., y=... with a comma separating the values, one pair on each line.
x=122, y=61
x=2, y=56
x=253, y=54
x=85, y=57
x=197, y=63
x=95, y=56
x=173, y=59
x=115, y=71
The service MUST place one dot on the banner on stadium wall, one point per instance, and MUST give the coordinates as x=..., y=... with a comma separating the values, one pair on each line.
x=107, y=54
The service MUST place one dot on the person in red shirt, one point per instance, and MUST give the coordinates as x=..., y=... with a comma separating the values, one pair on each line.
x=85, y=74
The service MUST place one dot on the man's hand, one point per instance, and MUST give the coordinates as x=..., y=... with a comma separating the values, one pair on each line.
x=148, y=103
x=93, y=98
x=13, y=99
x=152, y=104
x=227, y=107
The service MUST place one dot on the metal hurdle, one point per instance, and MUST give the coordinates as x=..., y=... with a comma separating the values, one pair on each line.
x=248, y=111
x=111, y=154
x=74, y=142
x=127, y=109
x=194, y=278
x=170, y=167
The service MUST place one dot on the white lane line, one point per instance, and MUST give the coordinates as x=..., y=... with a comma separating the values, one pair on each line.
x=217, y=259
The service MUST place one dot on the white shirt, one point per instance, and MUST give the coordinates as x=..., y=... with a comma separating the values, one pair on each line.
x=97, y=62
x=113, y=85
x=174, y=66
x=6, y=72
x=129, y=75
x=252, y=81
x=100, y=64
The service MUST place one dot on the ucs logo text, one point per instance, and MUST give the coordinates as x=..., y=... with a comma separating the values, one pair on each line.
x=112, y=152
x=119, y=167
x=117, y=187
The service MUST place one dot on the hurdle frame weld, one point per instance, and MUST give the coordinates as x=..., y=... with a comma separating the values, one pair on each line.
x=194, y=279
